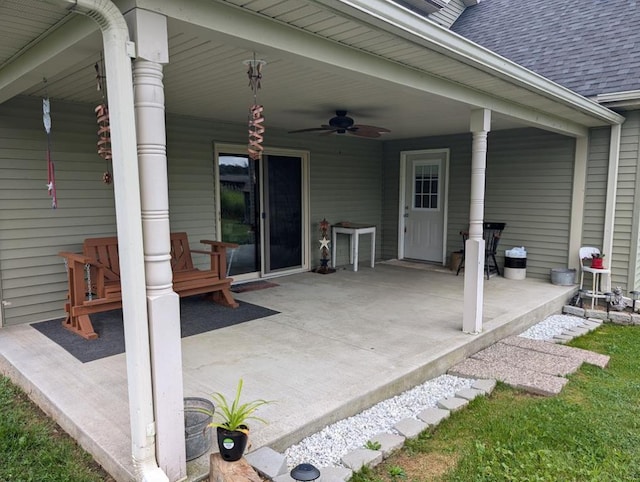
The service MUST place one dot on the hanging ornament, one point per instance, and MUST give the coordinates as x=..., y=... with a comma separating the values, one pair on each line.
x=324, y=249
x=256, y=131
x=256, y=119
x=51, y=173
x=104, y=128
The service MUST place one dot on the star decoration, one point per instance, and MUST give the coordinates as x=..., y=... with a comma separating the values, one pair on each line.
x=324, y=243
x=324, y=225
x=50, y=186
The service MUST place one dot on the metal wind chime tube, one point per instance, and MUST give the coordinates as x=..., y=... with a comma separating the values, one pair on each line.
x=256, y=119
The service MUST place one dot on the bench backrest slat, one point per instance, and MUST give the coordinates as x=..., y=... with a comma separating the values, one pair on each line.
x=105, y=252
x=180, y=252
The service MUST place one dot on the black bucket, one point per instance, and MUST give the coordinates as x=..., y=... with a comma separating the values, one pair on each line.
x=197, y=433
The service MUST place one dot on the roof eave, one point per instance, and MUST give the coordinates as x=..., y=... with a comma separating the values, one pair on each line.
x=401, y=21
x=628, y=100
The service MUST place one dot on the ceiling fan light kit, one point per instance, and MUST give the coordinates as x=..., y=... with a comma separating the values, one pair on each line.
x=343, y=124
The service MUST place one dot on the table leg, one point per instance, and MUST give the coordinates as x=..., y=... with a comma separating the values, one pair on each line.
x=333, y=249
x=373, y=249
x=356, y=242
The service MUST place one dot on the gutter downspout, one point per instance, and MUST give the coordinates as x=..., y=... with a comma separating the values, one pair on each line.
x=118, y=50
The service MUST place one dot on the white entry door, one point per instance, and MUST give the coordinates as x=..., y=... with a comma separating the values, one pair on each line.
x=424, y=209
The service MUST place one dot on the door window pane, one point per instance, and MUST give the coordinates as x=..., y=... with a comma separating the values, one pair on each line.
x=426, y=185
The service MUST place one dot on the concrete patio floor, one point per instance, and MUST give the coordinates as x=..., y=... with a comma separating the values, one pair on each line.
x=341, y=343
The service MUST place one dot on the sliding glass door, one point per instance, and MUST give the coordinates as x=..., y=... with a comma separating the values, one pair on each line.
x=262, y=209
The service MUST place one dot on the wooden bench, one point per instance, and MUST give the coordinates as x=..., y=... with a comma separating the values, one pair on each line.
x=94, y=278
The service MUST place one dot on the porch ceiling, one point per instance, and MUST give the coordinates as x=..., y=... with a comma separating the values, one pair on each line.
x=206, y=76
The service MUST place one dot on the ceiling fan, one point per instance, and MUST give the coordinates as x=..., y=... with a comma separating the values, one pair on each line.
x=341, y=124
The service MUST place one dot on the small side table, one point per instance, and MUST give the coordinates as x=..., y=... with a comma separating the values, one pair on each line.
x=354, y=231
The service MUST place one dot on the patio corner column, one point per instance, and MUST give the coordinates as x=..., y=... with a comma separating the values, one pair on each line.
x=163, y=304
x=474, y=247
x=612, y=197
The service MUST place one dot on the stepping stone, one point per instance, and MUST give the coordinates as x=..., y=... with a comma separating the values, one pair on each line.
x=577, y=330
x=452, y=404
x=595, y=320
x=267, y=462
x=388, y=442
x=486, y=385
x=469, y=393
x=563, y=338
x=523, y=357
x=433, y=416
x=590, y=325
x=410, y=427
x=526, y=379
x=335, y=474
x=359, y=458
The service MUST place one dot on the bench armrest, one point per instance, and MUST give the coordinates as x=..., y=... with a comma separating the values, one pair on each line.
x=75, y=257
x=219, y=244
x=76, y=276
x=204, y=251
x=219, y=247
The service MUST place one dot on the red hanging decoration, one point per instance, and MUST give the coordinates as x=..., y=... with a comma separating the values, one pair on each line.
x=51, y=174
x=104, y=128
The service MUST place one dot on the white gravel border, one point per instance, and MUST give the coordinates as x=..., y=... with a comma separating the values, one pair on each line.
x=327, y=447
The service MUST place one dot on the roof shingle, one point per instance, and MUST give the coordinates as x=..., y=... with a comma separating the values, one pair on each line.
x=589, y=46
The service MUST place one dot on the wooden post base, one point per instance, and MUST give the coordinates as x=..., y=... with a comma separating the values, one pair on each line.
x=239, y=471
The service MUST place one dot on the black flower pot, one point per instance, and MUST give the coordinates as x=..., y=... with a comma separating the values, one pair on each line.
x=232, y=443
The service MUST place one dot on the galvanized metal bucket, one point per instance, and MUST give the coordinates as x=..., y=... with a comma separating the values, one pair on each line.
x=563, y=276
x=197, y=433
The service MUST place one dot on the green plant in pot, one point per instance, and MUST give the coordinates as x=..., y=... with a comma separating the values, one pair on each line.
x=232, y=429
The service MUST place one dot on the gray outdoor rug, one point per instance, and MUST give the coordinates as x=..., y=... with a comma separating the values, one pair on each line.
x=197, y=314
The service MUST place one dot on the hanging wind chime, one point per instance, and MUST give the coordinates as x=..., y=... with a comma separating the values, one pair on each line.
x=256, y=119
x=51, y=173
x=104, y=129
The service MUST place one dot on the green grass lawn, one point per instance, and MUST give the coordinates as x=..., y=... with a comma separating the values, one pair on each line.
x=33, y=448
x=590, y=432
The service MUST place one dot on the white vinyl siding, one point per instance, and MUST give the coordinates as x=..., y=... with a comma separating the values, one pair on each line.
x=596, y=188
x=31, y=232
x=449, y=14
x=625, y=262
x=528, y=186
x=345, y=186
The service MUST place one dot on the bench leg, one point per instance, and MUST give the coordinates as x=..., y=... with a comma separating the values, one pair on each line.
x=81, y=325
x=224, y=298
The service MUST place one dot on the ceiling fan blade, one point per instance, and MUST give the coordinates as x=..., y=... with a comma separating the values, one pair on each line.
x=310, y=129
x=372, y=128
x=363, y=133
x=367, y=131
x=329, y=132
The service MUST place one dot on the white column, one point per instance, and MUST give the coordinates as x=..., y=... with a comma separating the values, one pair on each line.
x=577, y=200
x=474, y=247
x=612, y=196
x=163, y=304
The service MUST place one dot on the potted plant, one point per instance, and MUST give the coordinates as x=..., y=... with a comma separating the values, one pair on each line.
x=596, y=260
x=231, y=426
